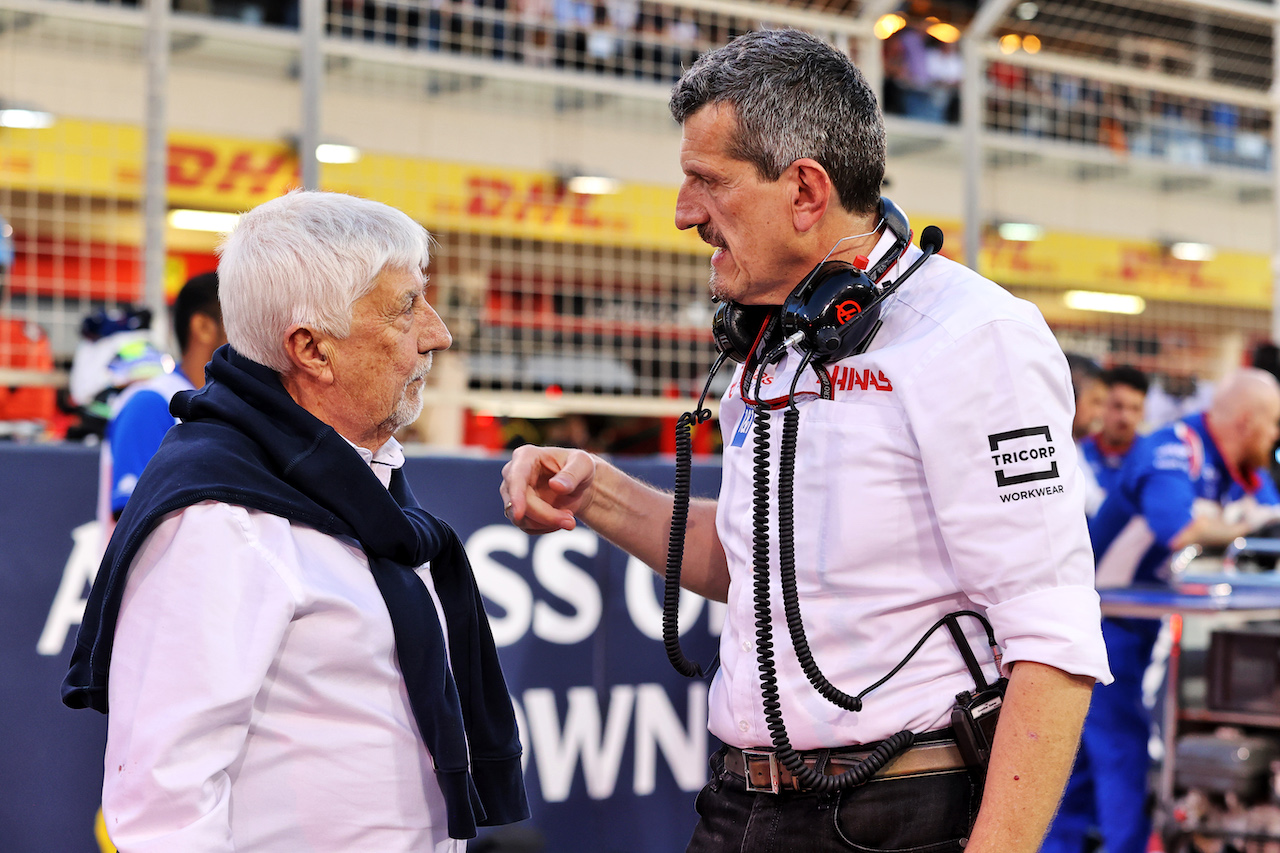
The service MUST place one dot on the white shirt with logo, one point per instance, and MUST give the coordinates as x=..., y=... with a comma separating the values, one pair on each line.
x=941, y=476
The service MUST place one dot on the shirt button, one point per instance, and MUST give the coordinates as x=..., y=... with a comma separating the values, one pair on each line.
x=746, y=645
x=744, y=725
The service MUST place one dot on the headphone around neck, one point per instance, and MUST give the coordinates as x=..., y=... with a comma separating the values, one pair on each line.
x=831, y=312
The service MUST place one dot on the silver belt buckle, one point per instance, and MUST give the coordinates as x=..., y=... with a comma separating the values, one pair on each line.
x=747, y=756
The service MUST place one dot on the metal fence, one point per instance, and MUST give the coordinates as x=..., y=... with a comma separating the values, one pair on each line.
x=1116, y=128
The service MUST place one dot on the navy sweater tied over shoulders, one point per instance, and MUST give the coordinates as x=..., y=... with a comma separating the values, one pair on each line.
x=244, y=441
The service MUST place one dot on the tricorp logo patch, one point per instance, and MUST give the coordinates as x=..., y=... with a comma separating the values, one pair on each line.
x=1023, y=455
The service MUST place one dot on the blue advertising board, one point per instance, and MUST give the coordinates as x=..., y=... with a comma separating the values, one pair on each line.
x=615, y=742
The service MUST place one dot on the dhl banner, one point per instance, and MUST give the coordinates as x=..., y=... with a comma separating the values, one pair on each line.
x=230, y=174
x=1135, y=267
x=1140, y=268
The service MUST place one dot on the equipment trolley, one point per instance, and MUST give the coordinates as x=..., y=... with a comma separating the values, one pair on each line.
x=1226, y=599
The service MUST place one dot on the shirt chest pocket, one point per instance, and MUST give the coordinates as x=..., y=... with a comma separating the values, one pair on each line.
x=864, y=447
x=844, y=431
x=859, y=486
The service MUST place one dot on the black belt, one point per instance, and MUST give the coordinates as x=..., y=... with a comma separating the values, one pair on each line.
x=765, y=774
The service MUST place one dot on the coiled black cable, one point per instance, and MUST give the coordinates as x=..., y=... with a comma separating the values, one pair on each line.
x=787, y=568
x=679, y=524
x=807, y=776
x=760, y=585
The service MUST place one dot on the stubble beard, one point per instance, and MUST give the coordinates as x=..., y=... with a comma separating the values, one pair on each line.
x=714, y=282
x=409, y=407
x=716, y=286
x=1260, y=459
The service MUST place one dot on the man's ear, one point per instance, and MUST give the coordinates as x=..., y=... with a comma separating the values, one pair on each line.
x=204, y=329
x=308, y=354
x=811, y=191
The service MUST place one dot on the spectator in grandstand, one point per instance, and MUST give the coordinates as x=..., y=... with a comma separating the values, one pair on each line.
x=1105, y=451
x=1175, y=489
x=1006, y=96
x=946, y=73
x=534, y=45
x=284, y=670
x=907, y=66
x=1172, y=397
x=140, y=413
x=911, y=492
x=649, y=53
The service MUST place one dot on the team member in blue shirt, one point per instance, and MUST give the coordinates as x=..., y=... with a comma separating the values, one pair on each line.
x=1105, y=451
x=141, y=412
x=1178, y=487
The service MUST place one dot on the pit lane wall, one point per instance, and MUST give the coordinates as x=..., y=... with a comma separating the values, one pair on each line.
x=615, y=741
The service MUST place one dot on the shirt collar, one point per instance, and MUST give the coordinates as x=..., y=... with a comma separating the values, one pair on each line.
x=1110, y=449
x=882, y=247
x=389, y=457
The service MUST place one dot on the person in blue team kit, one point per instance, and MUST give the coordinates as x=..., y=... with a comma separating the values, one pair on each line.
x=1105, y=451
x=1199, y=481
x=140, y=415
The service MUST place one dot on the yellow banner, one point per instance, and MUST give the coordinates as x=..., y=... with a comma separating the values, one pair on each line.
x=1074, y=261
x=1082, y=262
x=224, y=173
x=513, y=203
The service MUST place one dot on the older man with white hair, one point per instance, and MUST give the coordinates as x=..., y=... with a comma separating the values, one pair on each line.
x=294, y=654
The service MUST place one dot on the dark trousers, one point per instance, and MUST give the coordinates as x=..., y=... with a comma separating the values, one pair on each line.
x=921, y=814
x=1108, y=786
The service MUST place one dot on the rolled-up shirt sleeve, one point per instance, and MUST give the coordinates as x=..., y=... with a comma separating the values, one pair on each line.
x=992, y=410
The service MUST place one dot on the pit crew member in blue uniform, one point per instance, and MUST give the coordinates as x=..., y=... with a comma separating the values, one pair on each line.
x=1176, y=489
x=141, y=416
x=1105, y=451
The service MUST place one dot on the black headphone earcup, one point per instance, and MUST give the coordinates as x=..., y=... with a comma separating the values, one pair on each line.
x=833, y=308
x=737, y=328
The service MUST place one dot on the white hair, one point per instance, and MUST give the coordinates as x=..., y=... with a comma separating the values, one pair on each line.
x=303, y=259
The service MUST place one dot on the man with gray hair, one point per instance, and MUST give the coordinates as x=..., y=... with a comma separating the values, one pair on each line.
x=935, y=483
x=294, y=654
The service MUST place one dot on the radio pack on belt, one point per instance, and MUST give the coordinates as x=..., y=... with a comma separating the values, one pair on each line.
x=976, y=713
x=974, y=721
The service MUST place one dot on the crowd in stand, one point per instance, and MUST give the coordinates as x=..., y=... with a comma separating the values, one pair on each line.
x=923, y=77
x=640, y=39
x=633, y=38
x=1142, y=122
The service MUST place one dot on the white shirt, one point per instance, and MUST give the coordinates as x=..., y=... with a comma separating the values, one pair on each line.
x=256, y=699
x=1094, y=494
x=900, y=517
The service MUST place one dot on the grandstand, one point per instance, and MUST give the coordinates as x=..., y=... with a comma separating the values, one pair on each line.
x=1081, y=148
